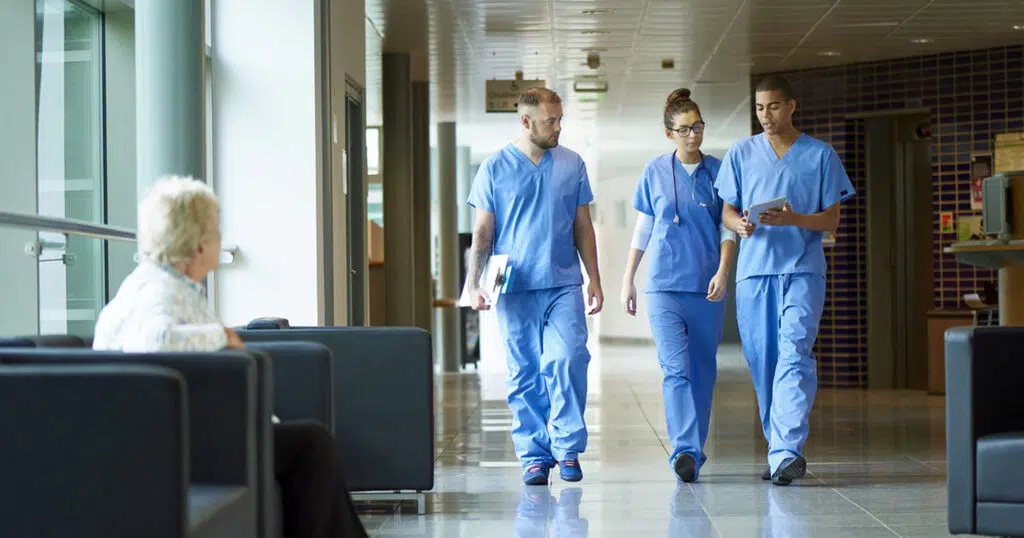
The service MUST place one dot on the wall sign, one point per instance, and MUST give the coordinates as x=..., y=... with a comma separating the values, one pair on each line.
x=502, y=95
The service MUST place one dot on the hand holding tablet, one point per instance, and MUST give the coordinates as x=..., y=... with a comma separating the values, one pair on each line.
x=754, y=214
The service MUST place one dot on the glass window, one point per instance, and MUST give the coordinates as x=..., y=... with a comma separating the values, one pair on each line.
x=69, y=51
x=373, y=151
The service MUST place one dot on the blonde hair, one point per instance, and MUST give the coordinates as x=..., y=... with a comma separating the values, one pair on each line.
x=175, y=216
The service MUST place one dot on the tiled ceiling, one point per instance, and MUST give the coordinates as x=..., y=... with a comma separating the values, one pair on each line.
x=714, y=44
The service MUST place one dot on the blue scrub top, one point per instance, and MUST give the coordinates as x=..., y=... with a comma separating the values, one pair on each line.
x=534, y=210
x=810, y=176
x=684, y=256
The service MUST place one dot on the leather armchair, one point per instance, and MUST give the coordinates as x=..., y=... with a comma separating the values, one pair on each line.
x=382, y=376
x=115, y=444
x=985, y=430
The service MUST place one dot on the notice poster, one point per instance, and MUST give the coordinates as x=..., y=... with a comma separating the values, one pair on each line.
x=969, y=229
x=981, y=168
x=946, y=222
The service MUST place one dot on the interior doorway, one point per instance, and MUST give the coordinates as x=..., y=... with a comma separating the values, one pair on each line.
x=898, y=220
x=355, y=196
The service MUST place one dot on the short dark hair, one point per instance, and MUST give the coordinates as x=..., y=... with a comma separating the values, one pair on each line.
x=535, y=96
x=775, y=83
x=679, y=102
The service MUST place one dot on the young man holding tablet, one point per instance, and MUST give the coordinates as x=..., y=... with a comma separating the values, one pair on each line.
x=780, y=289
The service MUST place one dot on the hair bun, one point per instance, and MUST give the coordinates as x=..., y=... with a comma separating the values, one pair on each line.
x=679, y=95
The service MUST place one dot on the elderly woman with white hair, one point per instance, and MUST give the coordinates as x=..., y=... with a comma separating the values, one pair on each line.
x=162, y=306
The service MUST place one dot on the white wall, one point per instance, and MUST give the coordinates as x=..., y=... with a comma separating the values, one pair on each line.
x=18, y=277
x=347, y=60
x=615, y=220
x=265, y=166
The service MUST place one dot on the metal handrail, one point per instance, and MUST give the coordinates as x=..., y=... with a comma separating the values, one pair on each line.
x=65, y=226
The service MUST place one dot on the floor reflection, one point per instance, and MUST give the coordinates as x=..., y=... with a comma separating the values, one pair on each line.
x=540, y=512
x=876, y=464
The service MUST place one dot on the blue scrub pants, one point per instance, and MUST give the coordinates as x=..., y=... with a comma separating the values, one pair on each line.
x=778, y=319
x=545, y=334
x=687, y=329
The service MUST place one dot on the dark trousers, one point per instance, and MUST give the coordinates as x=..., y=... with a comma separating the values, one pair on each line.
x=316, y=501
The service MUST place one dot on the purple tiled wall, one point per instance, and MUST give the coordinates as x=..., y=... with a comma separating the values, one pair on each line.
x=973, y=95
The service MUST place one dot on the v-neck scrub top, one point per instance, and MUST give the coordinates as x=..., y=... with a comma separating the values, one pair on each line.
x=683, y=256
x=534, y=208
x=810, y=176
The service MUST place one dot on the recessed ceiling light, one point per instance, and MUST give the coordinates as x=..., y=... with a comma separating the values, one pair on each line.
x=1018, y=26
x=921, y=40
x=598, y=11
x=828, y=53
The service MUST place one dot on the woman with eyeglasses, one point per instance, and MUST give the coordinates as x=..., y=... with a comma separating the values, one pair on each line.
x=689, y=255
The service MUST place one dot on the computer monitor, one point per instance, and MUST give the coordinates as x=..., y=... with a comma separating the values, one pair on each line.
x=996, y=206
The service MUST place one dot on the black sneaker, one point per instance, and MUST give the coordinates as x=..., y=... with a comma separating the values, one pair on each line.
x=790, y=470
x=686, y=468
x=767, y=474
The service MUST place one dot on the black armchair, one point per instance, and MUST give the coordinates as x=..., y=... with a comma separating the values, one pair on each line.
x=383, y=383
x=985, y=430
x=114, y=444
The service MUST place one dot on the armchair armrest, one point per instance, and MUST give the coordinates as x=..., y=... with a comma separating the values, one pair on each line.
x=302, y=380
x=983, y=373
x=93, y=451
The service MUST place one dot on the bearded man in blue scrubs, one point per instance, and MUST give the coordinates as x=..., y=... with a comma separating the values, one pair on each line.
x=780, y=289
x=532, y=203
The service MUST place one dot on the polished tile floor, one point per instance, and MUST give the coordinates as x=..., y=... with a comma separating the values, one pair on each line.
x=876, y=465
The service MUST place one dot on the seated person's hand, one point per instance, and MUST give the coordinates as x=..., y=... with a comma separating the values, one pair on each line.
x=234, y=341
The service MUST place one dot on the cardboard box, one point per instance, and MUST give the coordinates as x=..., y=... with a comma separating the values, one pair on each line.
x=1009, y=150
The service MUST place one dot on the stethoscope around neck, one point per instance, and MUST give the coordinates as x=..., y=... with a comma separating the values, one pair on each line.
x=693, y=191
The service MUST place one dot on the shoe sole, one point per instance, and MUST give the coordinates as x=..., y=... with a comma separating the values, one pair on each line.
x=576, y=478
x=686, y=468
x=767, y=474
x=794, y=470
x=536, y=481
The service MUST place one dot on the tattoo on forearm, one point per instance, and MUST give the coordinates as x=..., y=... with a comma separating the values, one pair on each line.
x=478, y=254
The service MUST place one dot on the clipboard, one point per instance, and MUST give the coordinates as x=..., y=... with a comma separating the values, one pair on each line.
x=756, y=209
x=494, y=280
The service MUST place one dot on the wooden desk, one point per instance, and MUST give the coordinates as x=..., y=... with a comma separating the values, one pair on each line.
x=1008, y=258
x=445, y=303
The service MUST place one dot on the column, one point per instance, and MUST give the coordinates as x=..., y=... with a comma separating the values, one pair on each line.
x=448, y=254
x=170, y=55
x=19, y=274
x=397, y=158
x=464, y=182
x=423, y=283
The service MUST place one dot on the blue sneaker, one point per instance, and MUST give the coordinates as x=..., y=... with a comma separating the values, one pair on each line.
x=570, y=470
x=536, y=474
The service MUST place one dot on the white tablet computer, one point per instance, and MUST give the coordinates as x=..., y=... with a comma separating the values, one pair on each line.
x=757, y=209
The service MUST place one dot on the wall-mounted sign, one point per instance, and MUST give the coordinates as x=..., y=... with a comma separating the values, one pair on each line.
x=946, y=222
x=502, y=95
x=981, y=168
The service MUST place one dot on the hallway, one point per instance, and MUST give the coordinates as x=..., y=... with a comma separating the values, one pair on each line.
x=876, y=464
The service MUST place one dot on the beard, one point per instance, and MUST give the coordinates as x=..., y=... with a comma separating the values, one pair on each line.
x=544, y=142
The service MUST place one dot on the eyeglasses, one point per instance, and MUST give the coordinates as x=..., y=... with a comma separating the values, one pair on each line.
x=696, y=128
